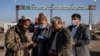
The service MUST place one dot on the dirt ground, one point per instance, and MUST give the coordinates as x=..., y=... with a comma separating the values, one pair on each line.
x=94, y=46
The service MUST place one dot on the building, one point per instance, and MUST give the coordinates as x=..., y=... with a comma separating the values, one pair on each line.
x=4, y=26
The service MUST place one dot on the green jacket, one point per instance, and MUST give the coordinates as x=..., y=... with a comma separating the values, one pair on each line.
x=14, y=44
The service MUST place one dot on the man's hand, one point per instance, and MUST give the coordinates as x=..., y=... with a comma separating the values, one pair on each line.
x=31, y=43
x=52, y=53
x=27, y=44
x=73, y=43
x=34, y=45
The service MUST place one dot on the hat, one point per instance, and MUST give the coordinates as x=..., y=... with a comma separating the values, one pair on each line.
x=42, y=17
x=23, y=19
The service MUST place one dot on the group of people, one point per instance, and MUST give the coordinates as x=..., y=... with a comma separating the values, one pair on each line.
x=49, y=39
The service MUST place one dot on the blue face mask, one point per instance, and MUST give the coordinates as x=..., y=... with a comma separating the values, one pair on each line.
x=74, y=22
x=42, y=26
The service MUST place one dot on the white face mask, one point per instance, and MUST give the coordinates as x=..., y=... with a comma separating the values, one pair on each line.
x=74, y=22
x=43, y=26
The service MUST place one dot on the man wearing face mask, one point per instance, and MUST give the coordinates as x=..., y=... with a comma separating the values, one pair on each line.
x=41, y=37
x=80, y=36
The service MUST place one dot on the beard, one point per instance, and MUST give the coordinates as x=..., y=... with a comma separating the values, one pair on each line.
x=22, y=29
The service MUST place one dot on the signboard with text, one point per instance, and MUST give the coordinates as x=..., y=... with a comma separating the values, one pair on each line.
x=23, y=7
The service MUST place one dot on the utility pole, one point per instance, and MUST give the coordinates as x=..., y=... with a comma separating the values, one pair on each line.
x=51, y=11
x=90, y=19
x=16, y=11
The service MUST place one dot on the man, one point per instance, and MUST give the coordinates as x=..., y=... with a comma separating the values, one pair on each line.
x=81, y=37
x=16, y=41
x=41, y=37
x=60, y=39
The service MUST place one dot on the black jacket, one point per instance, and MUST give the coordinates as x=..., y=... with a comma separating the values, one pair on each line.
x=46, y=34
x=63, y=41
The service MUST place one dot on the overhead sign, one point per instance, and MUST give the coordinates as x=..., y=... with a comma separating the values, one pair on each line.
x=22, y=7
